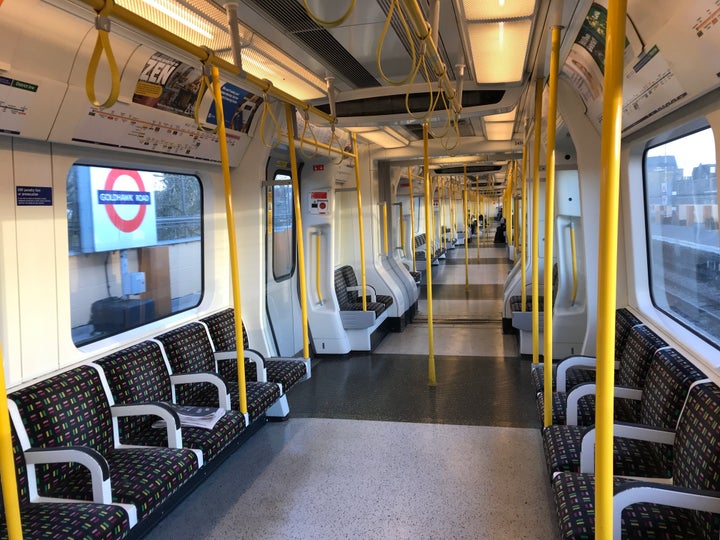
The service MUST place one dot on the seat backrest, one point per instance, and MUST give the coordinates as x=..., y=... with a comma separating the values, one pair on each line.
x=341, y=291
x=640, y=347
x=350, y=281
x=68, y=409
x=697, y=446
x=668, y=381
x=189, y=349
x=624, y=322
x=137, y=374
x=222, y=330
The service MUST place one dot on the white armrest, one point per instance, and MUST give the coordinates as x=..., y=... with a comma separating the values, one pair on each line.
x=586, y=389
x=163, y=410
x=358, y=289
x=586, y=362
x=86, y=456
x=212, y=378
x=250, y=354
x=704, y=501
x=628, y=431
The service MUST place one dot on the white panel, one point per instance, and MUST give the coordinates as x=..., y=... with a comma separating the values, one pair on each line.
x=36, y=262
x=567, y=193
x=9, y=301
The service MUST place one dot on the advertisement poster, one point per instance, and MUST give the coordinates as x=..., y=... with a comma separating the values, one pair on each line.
x=168, y=84
x=649, y=85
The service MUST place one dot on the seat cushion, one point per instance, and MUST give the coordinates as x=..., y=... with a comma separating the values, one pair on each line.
x=631, y=457
x=574, y=501
x=60, y=521
x=145, y=477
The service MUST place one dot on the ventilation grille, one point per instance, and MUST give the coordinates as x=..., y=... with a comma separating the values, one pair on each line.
x=291, y=15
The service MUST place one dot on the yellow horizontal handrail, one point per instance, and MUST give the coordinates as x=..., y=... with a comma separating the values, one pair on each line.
x=203, y=54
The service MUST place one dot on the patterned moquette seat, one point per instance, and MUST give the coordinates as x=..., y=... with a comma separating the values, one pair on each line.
x=351, y=281
x=139, y=375
x=348, y=302
x=641, y=345
x=189, y=350
x=72, y=410
x=696, y=471
x=668, y=382
x=61, y=520
x=624, y=322
x=285, y=371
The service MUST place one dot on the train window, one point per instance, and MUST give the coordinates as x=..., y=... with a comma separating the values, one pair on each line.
x=681, y=194
x=135, y=242
x=281, y=208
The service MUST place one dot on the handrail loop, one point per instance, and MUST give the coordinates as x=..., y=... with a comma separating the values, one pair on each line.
x=205, y=83
x=333, y=23
x=102, y=44
x=411, y=41
x=306, y=117
x=267, y=110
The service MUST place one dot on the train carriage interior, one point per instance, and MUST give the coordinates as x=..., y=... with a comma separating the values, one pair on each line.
x=470, y=248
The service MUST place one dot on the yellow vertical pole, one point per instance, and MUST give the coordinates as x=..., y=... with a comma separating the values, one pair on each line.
x=536, y=222
x=401, y=228
x=524, y=226
x=7, y=465
x=467, y=231
x=477, y=217
x=432, y=213
x=573, y=253
x=508, y=211
x=318, y=266
x=360, y=224
x=412, y=219
x=550, y=217
x=299, y=228
x=432, y=381
x=385, y=229
x=235, y=274
x=607, y=271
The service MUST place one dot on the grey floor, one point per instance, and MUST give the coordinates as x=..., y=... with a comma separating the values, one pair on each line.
x=372, y=451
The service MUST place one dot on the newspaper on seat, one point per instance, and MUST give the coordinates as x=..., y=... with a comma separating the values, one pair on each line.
x=194, y=416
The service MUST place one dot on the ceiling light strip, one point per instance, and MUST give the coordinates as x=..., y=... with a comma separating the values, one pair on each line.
x=202, y=54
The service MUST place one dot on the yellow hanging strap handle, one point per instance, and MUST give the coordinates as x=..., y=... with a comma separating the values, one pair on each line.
x=395, y=4
x=230, y=216
x=267, y=111
x=333, y=23
x=308, y=126
x=102, y=44
x=205, y=83
x=7, y=465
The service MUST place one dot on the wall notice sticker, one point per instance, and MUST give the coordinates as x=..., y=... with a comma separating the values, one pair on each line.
x=33, y=196
x=15, y=100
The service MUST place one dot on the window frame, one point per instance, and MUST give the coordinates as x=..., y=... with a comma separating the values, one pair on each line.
x=685, y=130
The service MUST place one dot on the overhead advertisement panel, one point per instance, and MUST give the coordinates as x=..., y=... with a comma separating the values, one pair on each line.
x=158, y=114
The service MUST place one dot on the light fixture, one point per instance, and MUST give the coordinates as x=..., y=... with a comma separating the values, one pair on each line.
x=385, y=137
x=499, y=50
x=204, y=24
x=499, y=35
x=183, y=19
x=489, y=10
x=499, y=131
